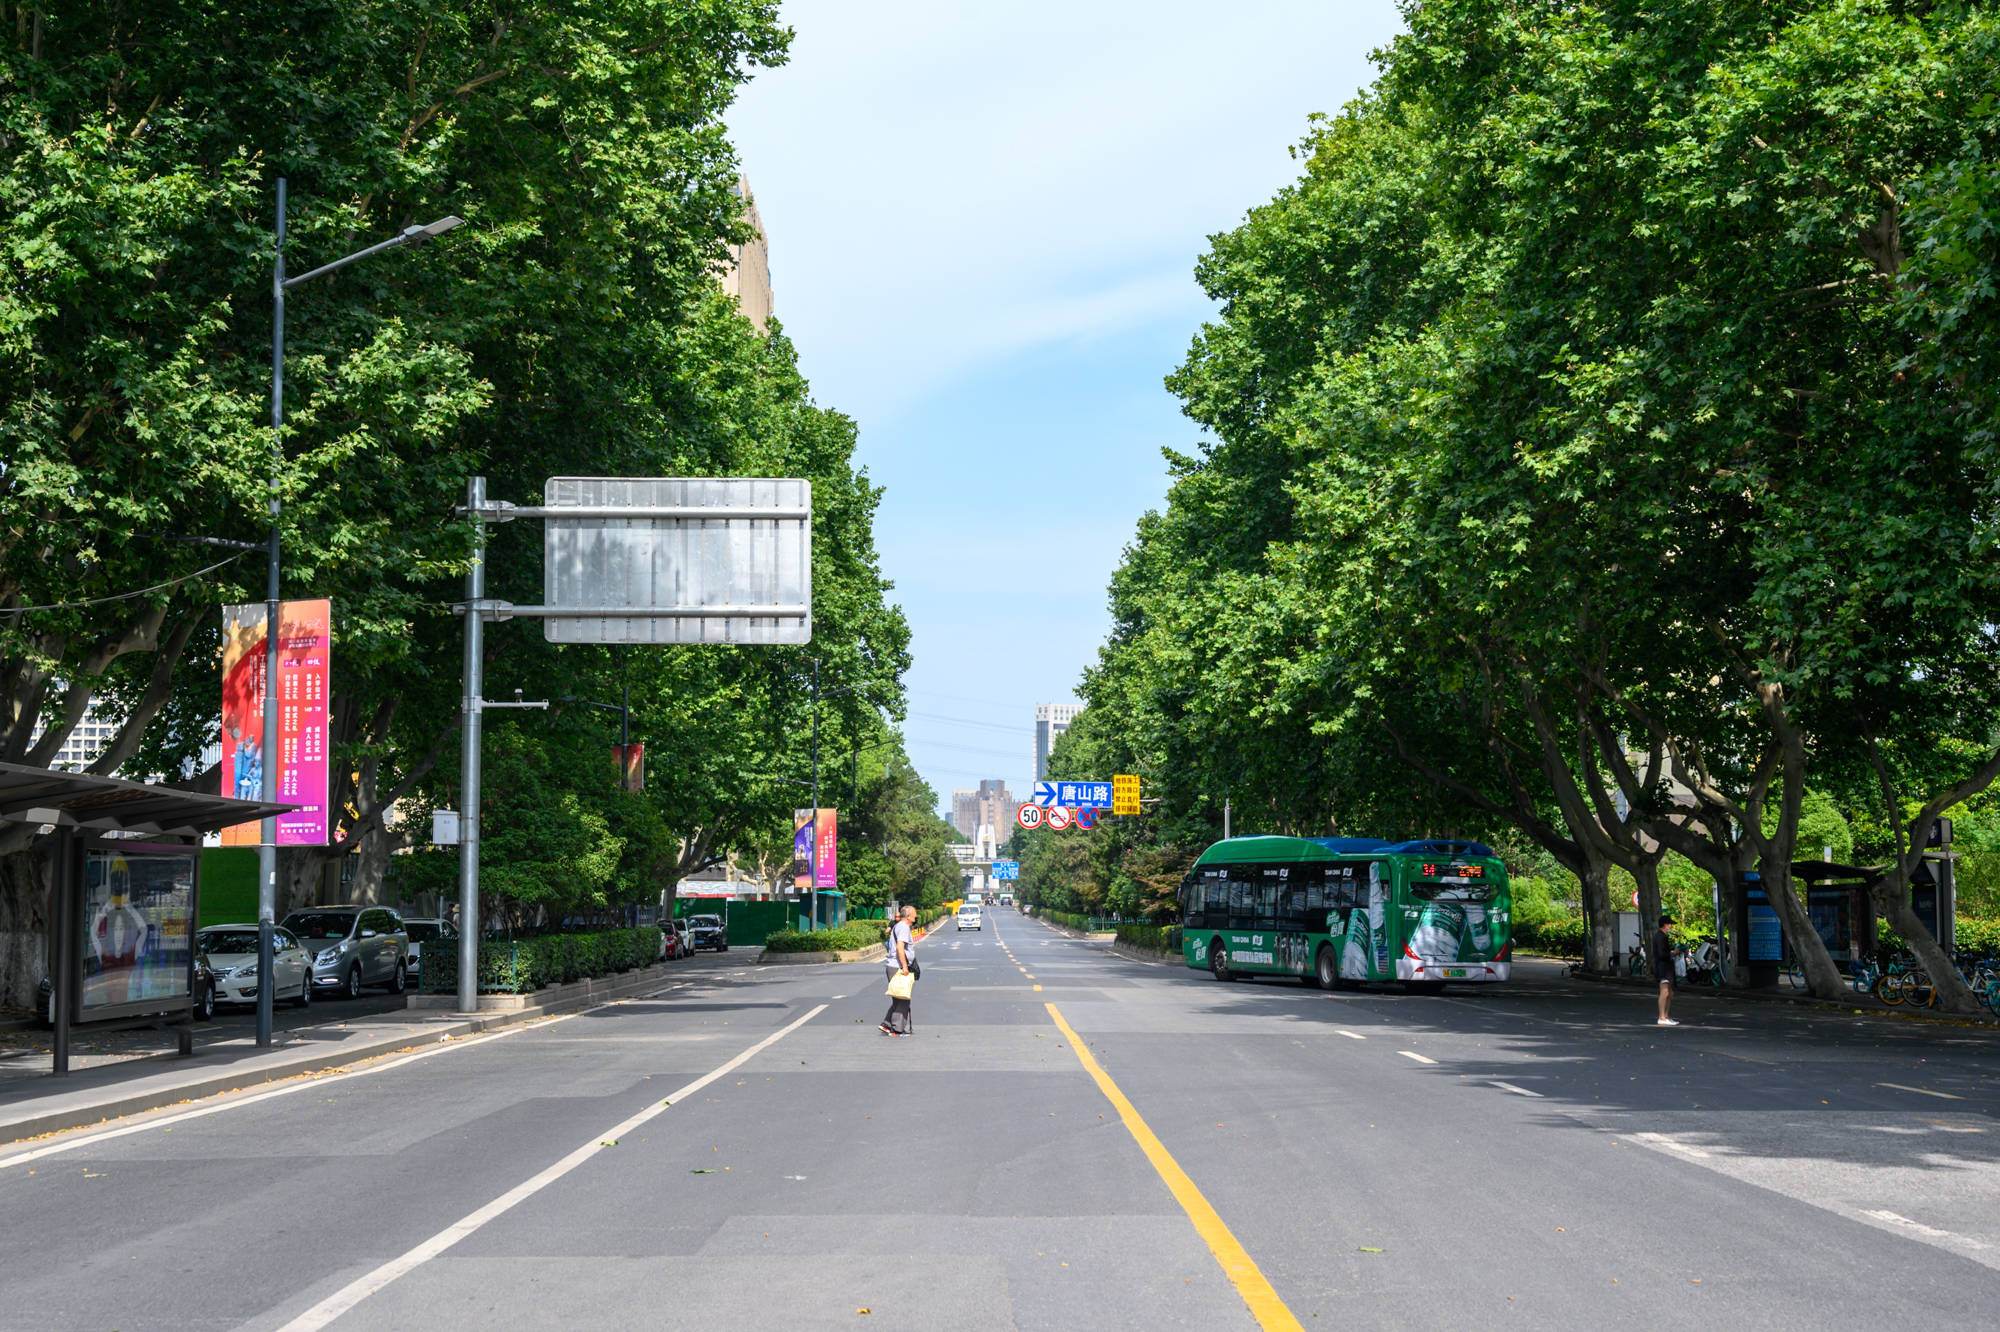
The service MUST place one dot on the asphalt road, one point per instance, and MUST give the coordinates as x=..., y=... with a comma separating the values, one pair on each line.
x=1540, y=1156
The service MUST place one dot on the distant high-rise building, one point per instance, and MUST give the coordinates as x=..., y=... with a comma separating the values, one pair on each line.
x=991, y=806
x=1051, y=720
x=748, y=277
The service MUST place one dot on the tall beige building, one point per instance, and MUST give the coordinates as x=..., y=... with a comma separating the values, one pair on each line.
x=992, y=806
x=748, y=277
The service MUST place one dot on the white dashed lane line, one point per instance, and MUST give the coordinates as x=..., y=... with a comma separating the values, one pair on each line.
x=1518, y=1091
x=1412, y=1054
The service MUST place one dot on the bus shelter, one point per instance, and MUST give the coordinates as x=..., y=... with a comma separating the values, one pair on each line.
x=124, y=894
x=1837, y=902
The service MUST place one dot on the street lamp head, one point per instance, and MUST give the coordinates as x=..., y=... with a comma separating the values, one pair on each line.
x=437, y=228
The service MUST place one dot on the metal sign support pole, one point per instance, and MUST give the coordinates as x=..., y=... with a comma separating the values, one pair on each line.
x=469, y=718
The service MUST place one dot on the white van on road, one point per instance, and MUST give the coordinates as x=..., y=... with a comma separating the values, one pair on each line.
x=968, y=917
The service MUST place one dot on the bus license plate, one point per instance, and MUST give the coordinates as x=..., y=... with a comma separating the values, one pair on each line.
x=1451, y=972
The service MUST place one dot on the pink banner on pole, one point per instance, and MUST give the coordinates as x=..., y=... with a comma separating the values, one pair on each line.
x=304, y=680
x=825, y=866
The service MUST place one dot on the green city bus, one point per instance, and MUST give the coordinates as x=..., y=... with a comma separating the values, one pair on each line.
x=1347, y=910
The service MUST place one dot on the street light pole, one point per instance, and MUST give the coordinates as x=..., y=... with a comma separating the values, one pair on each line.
x=267, y=842
x=812, y=854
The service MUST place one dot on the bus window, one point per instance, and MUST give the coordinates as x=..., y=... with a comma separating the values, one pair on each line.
x=1439, y=882
x=1267, y=904
x=1242, y=902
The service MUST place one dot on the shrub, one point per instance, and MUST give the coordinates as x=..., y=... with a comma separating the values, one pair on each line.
x=1552, y=934
x=854, y=934
x=528, y=962
x=1158, y=938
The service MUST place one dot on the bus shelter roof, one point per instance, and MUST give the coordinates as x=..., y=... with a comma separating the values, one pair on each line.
x=85, y=801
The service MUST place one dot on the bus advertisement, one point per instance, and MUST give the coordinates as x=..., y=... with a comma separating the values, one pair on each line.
x=1348, y=910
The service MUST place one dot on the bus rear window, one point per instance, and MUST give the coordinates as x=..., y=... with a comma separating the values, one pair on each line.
x=1452, y=883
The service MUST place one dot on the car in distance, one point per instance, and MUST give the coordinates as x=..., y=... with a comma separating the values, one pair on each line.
x=709, y=932
x=676, y=940
x=423, y=930
x=353, y=946
x=232, y=955
x=969, y=918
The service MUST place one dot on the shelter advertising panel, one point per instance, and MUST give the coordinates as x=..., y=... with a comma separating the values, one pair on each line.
x=138, y=925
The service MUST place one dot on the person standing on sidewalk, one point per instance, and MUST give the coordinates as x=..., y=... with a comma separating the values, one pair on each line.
x=902, y=956
x=1660, y=953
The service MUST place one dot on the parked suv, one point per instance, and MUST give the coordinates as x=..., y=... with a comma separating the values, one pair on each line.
x=709, y=932
x=354, y=946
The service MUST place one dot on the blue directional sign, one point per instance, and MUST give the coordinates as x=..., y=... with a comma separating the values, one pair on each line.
x=1083, y=795
x=1006, y=869
x=1045, y=794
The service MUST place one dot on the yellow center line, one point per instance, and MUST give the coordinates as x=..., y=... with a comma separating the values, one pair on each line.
x=1237, y=1264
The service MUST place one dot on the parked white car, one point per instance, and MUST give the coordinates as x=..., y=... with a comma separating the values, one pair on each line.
x=232, y=956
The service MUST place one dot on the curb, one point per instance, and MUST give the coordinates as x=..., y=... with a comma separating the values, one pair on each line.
x=872, y=953
x=1101, y=937
x=58, y=1121
x=1872, y=1008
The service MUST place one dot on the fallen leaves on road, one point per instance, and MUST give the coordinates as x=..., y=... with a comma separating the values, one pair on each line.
x=608, y=1142
x=701, y=1172
x=1366, y=1249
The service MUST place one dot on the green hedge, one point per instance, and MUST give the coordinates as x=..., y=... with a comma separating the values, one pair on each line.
x=1559, y=934
x=854, y=934
x=1158, y=938
x=528, y=962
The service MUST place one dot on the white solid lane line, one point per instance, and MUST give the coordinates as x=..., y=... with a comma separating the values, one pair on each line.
x=1412, y=1054
x=1518, y=1091
x=344, y=1299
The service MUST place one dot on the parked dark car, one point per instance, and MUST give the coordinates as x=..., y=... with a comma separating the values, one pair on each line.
x=204, y=994
x=353, y=946
x=709, y=932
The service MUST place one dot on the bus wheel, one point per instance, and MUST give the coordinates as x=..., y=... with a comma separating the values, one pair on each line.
x=1218, y=959
x=1326, y=968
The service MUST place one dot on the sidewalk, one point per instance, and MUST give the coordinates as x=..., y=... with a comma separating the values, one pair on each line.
x=33, y=1106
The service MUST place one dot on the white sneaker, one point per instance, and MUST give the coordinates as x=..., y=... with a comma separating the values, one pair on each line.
x=1666, y=1022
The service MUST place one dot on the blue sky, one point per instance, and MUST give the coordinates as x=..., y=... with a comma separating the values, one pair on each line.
x=984, y=221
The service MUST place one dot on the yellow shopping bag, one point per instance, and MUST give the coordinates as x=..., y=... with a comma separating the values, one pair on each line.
x=901, y=984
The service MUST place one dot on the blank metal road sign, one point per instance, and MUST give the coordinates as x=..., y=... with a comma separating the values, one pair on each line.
x=678, y=560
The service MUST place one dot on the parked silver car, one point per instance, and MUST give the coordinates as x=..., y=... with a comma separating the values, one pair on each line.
x=354, y=946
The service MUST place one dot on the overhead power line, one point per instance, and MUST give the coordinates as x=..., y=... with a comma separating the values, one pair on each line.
x=127, y=596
